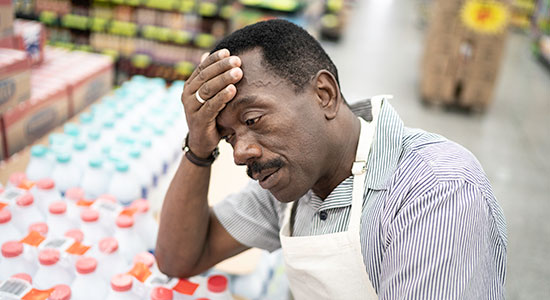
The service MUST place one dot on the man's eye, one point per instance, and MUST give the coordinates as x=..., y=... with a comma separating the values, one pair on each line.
x=251, y=122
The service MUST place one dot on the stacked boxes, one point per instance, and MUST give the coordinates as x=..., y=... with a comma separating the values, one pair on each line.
x=6, y=18
x=14, y=78
x=64, y=84
x=461, y=61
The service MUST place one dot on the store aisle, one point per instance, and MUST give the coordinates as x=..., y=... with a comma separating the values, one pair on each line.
x=381, y=52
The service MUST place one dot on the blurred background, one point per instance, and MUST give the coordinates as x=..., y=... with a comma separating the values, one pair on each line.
x=475, y=71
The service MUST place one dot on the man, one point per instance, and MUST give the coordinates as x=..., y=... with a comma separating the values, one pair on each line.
x=363, y=208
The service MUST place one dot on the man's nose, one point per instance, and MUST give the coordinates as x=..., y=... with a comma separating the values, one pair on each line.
x=245, y=149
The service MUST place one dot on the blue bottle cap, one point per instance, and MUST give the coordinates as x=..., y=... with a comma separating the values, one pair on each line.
x=38, y=151
x=79, y=145
x=95, y=162
x=86, y=118
x=71, y=129
x=135, y=153
x=63, y=157
x=121, y=166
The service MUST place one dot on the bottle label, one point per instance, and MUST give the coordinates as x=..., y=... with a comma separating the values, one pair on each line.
x=10, y=195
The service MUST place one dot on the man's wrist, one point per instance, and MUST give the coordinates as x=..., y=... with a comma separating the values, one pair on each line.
x=199, y=160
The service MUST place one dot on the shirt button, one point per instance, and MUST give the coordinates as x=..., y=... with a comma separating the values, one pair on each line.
x=323, y=215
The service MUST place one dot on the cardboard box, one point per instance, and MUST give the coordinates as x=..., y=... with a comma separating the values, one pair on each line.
x=14, y=78
x=476, y=95
x=6, y=18
x=32, y=119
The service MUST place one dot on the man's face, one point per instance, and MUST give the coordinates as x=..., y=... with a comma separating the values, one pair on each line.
x=277, y=133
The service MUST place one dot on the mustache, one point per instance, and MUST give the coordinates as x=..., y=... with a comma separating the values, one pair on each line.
x=257, y=167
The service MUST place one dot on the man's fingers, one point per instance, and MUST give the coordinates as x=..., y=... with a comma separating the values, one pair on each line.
x=210, y=88
x=213, y=71
x=211, y=108
x=210, y=59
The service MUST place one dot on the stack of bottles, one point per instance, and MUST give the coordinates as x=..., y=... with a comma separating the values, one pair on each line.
x=65, y=246
x=121, y=147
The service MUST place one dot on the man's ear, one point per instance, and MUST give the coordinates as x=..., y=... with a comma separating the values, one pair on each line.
x=328, y=93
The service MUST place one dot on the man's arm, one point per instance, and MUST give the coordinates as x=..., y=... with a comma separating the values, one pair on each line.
x=444, y=245
x=190, y=238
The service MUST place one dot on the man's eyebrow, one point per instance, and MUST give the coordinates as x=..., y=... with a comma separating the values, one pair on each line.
x=242, y=101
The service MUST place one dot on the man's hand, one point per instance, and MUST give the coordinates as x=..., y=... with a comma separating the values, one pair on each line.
x=214, y=80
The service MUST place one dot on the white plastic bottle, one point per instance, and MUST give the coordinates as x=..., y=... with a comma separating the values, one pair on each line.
x=13, y=260
x=72, y=197
x=61, y=292
x=129, y=241
x=75, y=234
x=88, y=284
x=146, y=225
x=25, y=213
x=121, y=288
x=140, y=171
x=161, y=293
x=39, y=166
x=148, y=260
x=123, y=185
x=8, y=231
x=95, y=180
x=51, y=271
x=110, y=262
x=80, y=154
x=218, y=288
x=15, y=179
x=40, y=227
x=65, y=174
x=45, y=193
x=150, y=159
x=91, y=226
x=58, y=220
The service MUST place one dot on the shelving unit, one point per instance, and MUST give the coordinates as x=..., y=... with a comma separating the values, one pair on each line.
x=541, y=32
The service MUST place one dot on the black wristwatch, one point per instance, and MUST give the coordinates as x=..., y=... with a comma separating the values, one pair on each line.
x=201, y=162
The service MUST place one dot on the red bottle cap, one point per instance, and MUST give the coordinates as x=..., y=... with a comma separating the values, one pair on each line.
x=25, y=200
x=48, y=257
x=161, y=293
x=76, y=234
x=124, y=221
x=45, y=184
x=121, y=282
x=108, y=245
x=5, y=216
x=57, y=208
x=141, y=205
x=89, y=215
x=86, y=265
x=217, y=283
x=75, y=194
x=145, y=258
x=107, y=197
x=23, y=276
x=60, y=292
x=17, y=177
x=12, y=249
x=39, y=227
x=203, y=299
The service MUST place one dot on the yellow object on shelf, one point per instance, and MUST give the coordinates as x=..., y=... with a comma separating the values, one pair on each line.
x=481, y=16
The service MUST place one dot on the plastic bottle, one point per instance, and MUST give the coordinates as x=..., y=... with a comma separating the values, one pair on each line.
x=95, y=180
x=40, y=227
x=148, y=260
x=8, y=231
x=129, y=241
x=80, y=154
x=140, y=171
x=13, y=260
x=25, y=213
x=61, y=292
x=88, y=284
x=75, y=234
x=218, y=288
x=45, y=192
x=72, y=130
x=72, y=197
x=161, y=293
x=108, y=133
x=91, y=226
x=51, y=271
x=23, y=276
x=110, y=262
x=15, y=179
x=151, y=161
x=121, y=288
x=65, y=174
x=146, y=225
x=58, y=220
x=39, y=166
x=123, y=185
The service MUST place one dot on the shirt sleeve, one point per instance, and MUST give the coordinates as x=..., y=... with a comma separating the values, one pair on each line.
x=444, y=245
x=251, y=217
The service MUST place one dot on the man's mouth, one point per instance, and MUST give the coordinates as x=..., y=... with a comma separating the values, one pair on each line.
x=267, y=179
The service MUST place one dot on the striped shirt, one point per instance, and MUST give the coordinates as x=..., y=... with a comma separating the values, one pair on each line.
x=431, y=227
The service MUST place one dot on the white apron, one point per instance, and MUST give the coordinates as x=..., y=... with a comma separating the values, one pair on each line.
x=330, y=266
